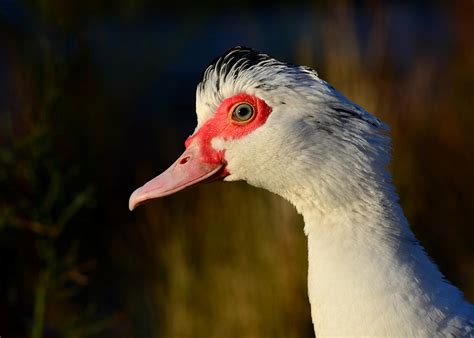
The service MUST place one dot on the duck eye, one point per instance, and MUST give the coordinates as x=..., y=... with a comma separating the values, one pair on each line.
x=242, y=112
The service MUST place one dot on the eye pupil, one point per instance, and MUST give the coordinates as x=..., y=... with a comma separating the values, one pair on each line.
x=243, y=112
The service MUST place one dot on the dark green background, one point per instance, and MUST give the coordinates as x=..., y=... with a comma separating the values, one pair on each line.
x=96, y=97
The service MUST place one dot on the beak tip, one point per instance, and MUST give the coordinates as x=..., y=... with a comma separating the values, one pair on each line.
x=132, y=202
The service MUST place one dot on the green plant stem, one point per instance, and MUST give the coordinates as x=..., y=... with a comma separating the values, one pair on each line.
x=40, y=304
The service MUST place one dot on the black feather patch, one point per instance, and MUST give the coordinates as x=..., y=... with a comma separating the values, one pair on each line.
x=353, y=112
x=240, y=58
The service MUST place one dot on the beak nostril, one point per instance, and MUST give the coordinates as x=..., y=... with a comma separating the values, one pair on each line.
x=184, y=160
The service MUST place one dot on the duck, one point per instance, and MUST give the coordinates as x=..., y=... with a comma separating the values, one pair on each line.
x=280, y=127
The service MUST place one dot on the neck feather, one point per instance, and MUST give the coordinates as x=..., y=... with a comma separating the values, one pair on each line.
x=369, y=276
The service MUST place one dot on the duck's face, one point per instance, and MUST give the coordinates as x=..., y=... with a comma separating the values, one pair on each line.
x=238, y=104
x=237, y=142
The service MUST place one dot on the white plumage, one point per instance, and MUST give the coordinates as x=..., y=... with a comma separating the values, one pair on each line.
x=368, y=275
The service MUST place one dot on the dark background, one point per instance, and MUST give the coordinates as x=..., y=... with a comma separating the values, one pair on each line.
x=96, y=97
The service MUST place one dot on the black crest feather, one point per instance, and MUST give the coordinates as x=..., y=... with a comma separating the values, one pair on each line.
x=235, y=60
x=239, y=57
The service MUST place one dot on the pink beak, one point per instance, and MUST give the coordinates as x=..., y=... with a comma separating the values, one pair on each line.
x=189, y=169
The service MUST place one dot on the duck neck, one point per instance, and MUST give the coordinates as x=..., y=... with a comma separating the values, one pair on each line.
x=369, y=276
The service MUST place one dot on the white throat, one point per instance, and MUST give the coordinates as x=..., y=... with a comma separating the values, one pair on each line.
x=368, y=276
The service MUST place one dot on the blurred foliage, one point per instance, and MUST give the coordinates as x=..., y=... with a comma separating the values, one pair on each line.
x=96, y=98
x=41, y=196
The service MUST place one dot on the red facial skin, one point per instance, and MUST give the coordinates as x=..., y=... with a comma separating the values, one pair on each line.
x=222, y=125
x=200, y=162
